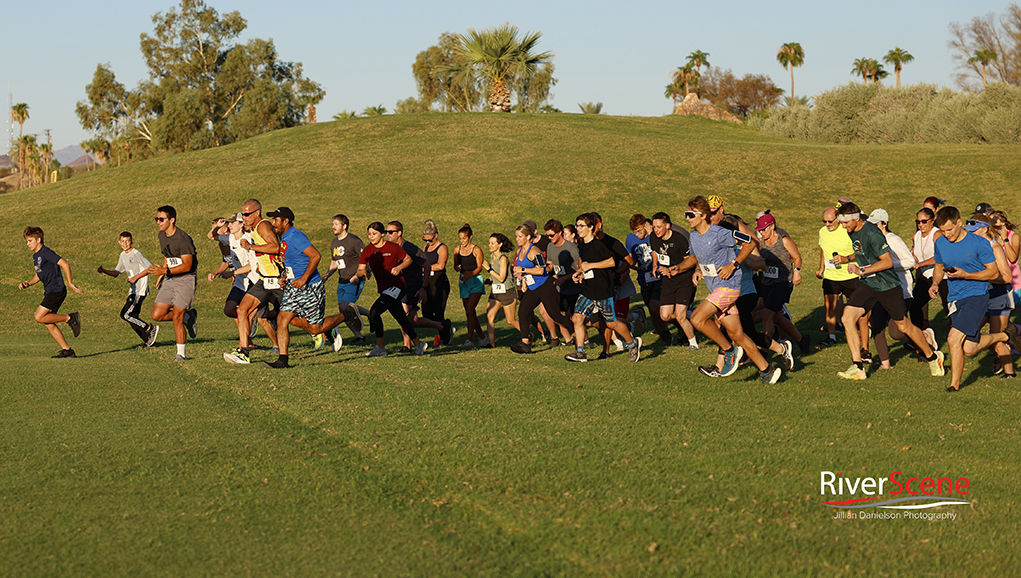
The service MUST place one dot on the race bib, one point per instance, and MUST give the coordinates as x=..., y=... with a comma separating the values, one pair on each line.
x=558, y=269
x=432, y=273
x=393, y=292
x=271, y=282
x=771, y=272
x=590, y=274
x=664, y=260
x=290, y=273
x=341, y=264
x=952, y=307
x=499, y=288
x=927, y=273
x=830, y=264
x=708, y=270
x=649, y=277
x=529, y=280
x=174, y=261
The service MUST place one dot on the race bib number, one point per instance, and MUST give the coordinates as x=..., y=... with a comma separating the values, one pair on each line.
x=271, y=282
x=771, y=272
x=649, y=277
x=708, y=270
x=174, y=261
x=664, y=260
x=393, y=292
x=289, y=272
x=952, y=307
x=529, y=280
x=830, y=264
x=590, y=274
x=558, y=269
x=432, y=273
x=341, y=264
x=499, y=288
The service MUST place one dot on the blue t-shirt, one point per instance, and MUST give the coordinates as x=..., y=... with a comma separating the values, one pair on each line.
x=714, y=249
x=45, y=262
x=292, y=250
x=971, y=254
x=641, y=251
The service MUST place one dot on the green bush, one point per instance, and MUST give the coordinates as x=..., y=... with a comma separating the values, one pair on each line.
x=921, y=113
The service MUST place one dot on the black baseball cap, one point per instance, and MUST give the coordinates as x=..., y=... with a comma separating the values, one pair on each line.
x=984, y=208
x=283, y=213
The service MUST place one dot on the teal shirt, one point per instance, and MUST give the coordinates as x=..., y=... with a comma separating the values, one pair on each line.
x=869, y=245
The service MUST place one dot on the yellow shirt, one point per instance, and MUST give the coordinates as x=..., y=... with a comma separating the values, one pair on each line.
x=268, y=264
x=836, y=242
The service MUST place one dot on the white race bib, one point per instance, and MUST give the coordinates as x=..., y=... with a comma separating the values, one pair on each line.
x=289, y=272
x=771, y=272
x=340, y=264
x=664, y=260
x=708, y=270
x=558, y=269
x=952, y=307
x=174, y=261
x=830, y=264
x=590, y=274
x=650, y=277
x=271, y=282
x=393, y=292
x=499, y=288
x=529, y=280
x=432, y=273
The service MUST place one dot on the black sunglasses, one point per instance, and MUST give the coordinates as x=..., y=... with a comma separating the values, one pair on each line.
x=247, y=214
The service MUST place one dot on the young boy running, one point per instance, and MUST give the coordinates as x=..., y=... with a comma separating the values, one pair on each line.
x=46, y=263
x=134, y=263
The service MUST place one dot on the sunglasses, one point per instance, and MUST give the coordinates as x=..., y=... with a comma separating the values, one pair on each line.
x=692, y=214
x=582, y=226
x=921, y=221
x=246, y=215
x=392, y=232
x=828, y=221
x=161, y=219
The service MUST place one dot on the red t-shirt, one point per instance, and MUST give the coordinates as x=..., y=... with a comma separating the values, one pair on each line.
x=382, y=260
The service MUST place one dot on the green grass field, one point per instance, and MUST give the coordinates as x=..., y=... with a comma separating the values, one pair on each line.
x=481, y=462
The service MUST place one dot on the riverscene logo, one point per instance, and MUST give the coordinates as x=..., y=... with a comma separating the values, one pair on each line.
x=895, y=492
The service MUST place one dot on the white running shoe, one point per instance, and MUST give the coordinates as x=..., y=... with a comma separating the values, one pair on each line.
x=377, y=351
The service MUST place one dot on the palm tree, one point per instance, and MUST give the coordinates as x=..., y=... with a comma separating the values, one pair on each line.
x=345, y=114
x=861, y=66
x=378, y=110
x=19, y=114
x=983, y=56
x=699, y=59
x=686, y=75
x=673, y=91
x=26, y=150
x=45, y=158
x=898, y=57
x=789, y=56
x=86, y=145
x=500, y=57
x=591, y=108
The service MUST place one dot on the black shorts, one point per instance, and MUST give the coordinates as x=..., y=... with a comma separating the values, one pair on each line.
x=259, y=291
x=880, y=318
x=236, y=295
x=775, y=296
x=53, y=301
x=567, y=303
x=892, y=300
x=651, y=292
x=681, y=292
x=845, y=288
x=411, y=298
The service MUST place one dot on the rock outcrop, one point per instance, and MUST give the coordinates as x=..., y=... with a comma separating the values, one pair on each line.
x=692, y=106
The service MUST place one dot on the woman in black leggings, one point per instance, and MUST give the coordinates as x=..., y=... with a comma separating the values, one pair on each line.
x=387, y=260
x=537, y=287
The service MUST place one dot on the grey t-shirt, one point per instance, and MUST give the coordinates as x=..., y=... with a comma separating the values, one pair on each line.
x=132, y=264
x=565, y=259
x=345, y=254
x=176, y=246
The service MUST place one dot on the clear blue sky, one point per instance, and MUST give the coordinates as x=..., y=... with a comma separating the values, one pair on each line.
x=617, y=53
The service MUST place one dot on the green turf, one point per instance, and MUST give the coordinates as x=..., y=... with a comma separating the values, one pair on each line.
x=480, y=462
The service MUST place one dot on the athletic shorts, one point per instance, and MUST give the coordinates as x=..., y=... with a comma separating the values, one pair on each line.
x=681, y=293
x=622, y=307
x=724, y=299
x=652, y=292
x=775, y=296
x=350, y=292
x=473, y=286
x=1001, y=305
x=53, y=301
x=880, y=319
x=567, y=303
x=506, y=298
x=966, y=315
x=845, y=288
x=892, y=300
x=178, y=291
x=587, y=307
x=236, y=295
x=259, y=291
x=309, y=302
x=411, y=297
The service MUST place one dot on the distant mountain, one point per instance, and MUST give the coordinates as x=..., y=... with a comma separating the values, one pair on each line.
x=6, y=161
x=78, y=162
x=69, y=154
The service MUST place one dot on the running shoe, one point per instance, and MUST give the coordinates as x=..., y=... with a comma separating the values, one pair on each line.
x=280, y=363
x=936, y=367
x=274, y=350
x=787, y=355
x=317, y=341
x=484, y=342
x=1013, y=340
x=237, y=357
x=446, y=333
x=376, y=351
x=521, y=347
x=635, y=353
x=359, y=340
x=693, y=347
x=731, y=359
x=709, y=370
x=826, y=342
x=603, y=355
x=930, y=338
x=866, y=357
x=405, y=349
x=576, y=356
x=853, y=373
x=618, y=344
x=421, y=347
x=254, y=327
x=64, y=353
x=642, y=323
x=179, y=358
x=467, y=344
x=354, y=320
x=150, y=339
x=770, y=376
x=338, y=341
x=1008, y=376
x=75, y=322
x=190, y=317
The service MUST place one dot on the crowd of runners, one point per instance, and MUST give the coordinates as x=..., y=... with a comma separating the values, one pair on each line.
x=578, y=278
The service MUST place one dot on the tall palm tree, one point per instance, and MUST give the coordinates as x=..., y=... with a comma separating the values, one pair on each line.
x=697, y=59
x=591, y=108
x=686, y=75
x=26, y=149
x=86, y=145
x=983, y=56
x=789, y=56
x=898, y=57
x=45, y=158
x=500, y=57
x=19, y=114
x=861, y=66
x=673, y=91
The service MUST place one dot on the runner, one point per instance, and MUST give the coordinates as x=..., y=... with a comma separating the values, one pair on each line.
x=1001, y=297
x=177, y=292
x=837, y=281
x=640, y=258
x=437, y=284
x=304, y=301
x=595, y=274
x=46, y=264
x=714, y=246
x=468, y=263
x=264, y=253
x=387, y=261
x=134, y=263
x=562, y=261
x=503, y=293
x=923, y=249
x=1008, y=238
x=969, y=264
x=535, y=286
x=415, y=294
x=345, y=249
x=674, y=265
x=781, y=275
x=879, y=284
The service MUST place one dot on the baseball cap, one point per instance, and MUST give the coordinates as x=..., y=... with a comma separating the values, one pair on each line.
x=984, y=208
x=715, y=202
x=764, y=221
x=531, y=225
x=236, y=217
x=879, y=216
x=283, y=213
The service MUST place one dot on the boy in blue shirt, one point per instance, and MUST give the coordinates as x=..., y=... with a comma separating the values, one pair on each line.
x=46, y=264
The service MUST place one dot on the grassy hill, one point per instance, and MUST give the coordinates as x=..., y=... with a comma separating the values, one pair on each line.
x=480, y=462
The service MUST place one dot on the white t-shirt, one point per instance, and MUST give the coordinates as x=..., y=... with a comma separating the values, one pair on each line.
x=132, y=264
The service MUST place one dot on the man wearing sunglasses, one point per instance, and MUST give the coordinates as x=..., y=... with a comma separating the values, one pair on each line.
x=837, y=281
x=265, y=253
x=177, y=291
